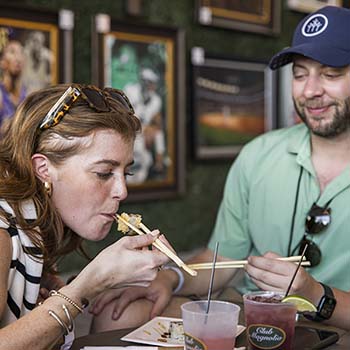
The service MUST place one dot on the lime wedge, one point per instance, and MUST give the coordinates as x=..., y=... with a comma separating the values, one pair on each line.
x=301, y=303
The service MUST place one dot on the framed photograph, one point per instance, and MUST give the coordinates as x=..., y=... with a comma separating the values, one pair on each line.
x=147, y=63
x=311, y=5
x=286, y=115
x=30, y=57
x=232, y=103
x=258, y=16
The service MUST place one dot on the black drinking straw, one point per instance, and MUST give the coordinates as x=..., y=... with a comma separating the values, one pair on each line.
x=296, y=271
x=212, y=276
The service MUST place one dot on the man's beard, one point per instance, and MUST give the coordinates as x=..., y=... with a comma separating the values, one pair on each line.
x=339, y=124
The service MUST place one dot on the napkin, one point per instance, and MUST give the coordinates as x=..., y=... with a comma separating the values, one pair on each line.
x=128, y=348
x=119, y=348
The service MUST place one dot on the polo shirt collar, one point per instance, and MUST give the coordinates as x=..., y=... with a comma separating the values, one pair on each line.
x=300, y=145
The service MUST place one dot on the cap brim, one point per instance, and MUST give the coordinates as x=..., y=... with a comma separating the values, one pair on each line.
x=329, y=56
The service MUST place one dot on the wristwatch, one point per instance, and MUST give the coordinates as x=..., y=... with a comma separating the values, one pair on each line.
x=325, y=307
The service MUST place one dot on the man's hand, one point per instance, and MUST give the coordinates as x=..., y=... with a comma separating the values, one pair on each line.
x=268, y=273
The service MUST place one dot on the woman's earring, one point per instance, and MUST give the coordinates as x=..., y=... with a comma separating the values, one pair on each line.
x=48, y=188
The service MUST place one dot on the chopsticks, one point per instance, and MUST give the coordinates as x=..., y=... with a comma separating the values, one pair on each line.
x=158, y=244
x=237, y=264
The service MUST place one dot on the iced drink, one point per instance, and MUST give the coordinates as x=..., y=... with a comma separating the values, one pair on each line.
x=270, y=323
x=215, y=330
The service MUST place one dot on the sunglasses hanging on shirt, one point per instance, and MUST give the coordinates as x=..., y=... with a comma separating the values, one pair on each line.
x=317, y=220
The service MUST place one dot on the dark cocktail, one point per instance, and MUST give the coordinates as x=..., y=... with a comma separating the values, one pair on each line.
x=270, y=323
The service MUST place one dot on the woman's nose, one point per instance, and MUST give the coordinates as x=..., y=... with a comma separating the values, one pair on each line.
x=120, y=190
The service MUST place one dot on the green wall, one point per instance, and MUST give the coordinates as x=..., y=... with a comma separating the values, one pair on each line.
x=187, y=221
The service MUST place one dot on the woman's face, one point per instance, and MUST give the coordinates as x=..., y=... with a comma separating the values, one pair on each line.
x=88, y=187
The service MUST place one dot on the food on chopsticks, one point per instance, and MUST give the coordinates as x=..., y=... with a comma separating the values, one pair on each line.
x=134, y=219
x=134, y=223
x=237, y=264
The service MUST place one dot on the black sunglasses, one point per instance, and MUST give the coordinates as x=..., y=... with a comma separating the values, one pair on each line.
x=317, y=219
x=96, y=98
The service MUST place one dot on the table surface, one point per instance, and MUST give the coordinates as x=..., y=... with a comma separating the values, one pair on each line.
x=113, y=338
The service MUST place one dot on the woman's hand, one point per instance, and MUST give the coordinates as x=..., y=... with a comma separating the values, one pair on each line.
x=159, y=293
x=124, y=263
x=48, y=282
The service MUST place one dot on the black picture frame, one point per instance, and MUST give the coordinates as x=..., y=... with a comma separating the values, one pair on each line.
x=233, y=101
x=257, y=16
x=147, y=60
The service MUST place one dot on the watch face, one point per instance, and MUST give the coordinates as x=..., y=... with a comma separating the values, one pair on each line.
x=326, y=307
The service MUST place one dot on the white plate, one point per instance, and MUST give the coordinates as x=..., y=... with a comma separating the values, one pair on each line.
x=150, y=333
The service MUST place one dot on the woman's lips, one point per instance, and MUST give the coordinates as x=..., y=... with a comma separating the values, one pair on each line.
x=109, y=216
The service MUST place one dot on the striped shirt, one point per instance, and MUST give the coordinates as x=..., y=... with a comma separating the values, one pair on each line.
x=25, y=271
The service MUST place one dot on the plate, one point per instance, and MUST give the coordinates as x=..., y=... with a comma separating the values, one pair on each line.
x=154, y=333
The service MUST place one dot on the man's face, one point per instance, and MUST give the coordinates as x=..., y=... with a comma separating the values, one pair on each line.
x=321, y=96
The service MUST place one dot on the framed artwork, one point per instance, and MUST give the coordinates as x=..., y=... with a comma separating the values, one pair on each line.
x=30, y=55
x=258, y=16
x=147, y=63
x=286, y=115
x=311, y=5
x=233, y=102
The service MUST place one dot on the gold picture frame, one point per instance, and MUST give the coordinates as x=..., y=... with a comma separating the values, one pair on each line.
x=258, y=16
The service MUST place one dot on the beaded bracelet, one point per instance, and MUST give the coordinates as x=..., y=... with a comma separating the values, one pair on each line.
x=69, y=300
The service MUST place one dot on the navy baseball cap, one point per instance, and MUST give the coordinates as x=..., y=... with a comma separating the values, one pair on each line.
x=323, y=36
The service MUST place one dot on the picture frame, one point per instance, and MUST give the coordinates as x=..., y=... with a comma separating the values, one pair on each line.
x=147, y=63
x=39, y=44
x=232, y=102
x=286, y=114
x=308, y=6
x=257, y=16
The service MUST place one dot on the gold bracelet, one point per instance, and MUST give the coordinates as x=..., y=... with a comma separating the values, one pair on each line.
x=70, y=318
x=70, y=301
x=60, y=322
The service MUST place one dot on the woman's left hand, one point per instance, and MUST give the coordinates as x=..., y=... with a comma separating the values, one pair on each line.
x=48, y=282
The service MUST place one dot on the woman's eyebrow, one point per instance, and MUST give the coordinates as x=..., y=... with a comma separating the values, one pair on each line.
x=112, y=162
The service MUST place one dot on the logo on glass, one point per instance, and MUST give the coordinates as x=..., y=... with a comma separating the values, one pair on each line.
x=266, y=336
x=315, y=25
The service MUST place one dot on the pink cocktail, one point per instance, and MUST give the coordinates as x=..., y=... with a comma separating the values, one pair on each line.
x=270, y=323
x=215, y=330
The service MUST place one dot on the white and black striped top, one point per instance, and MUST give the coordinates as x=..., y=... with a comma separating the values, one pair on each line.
x=25, y=271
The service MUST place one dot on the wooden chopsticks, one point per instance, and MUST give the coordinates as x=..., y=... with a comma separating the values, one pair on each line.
x=237, y=264
x=158, y=244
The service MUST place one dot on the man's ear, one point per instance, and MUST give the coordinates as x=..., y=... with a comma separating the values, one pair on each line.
x=41, y=167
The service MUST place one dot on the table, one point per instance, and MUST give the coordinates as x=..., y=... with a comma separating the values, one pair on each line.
x=113, y=338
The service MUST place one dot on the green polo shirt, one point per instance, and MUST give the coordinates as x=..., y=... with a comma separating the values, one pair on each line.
x=255, y=215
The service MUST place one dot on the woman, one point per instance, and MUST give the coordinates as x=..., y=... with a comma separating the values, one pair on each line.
x=12, y=89
x=64, y=160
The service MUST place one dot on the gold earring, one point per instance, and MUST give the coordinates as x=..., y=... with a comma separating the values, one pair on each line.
x=48, y=188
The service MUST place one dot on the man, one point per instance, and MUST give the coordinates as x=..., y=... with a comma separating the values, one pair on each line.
x=287, y=188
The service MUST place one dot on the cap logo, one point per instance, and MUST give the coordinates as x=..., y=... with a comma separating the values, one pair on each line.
x=315, y=25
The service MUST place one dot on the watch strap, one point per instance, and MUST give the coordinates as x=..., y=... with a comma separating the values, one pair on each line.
x=326, y=305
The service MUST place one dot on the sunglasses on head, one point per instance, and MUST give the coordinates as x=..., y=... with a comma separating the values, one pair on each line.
x=317, y=220
x=96, y=98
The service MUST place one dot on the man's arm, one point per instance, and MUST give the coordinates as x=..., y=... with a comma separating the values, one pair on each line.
x=199, y=285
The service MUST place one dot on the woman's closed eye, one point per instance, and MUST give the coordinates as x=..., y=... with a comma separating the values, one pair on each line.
x=104, y=176
x=128, y=173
